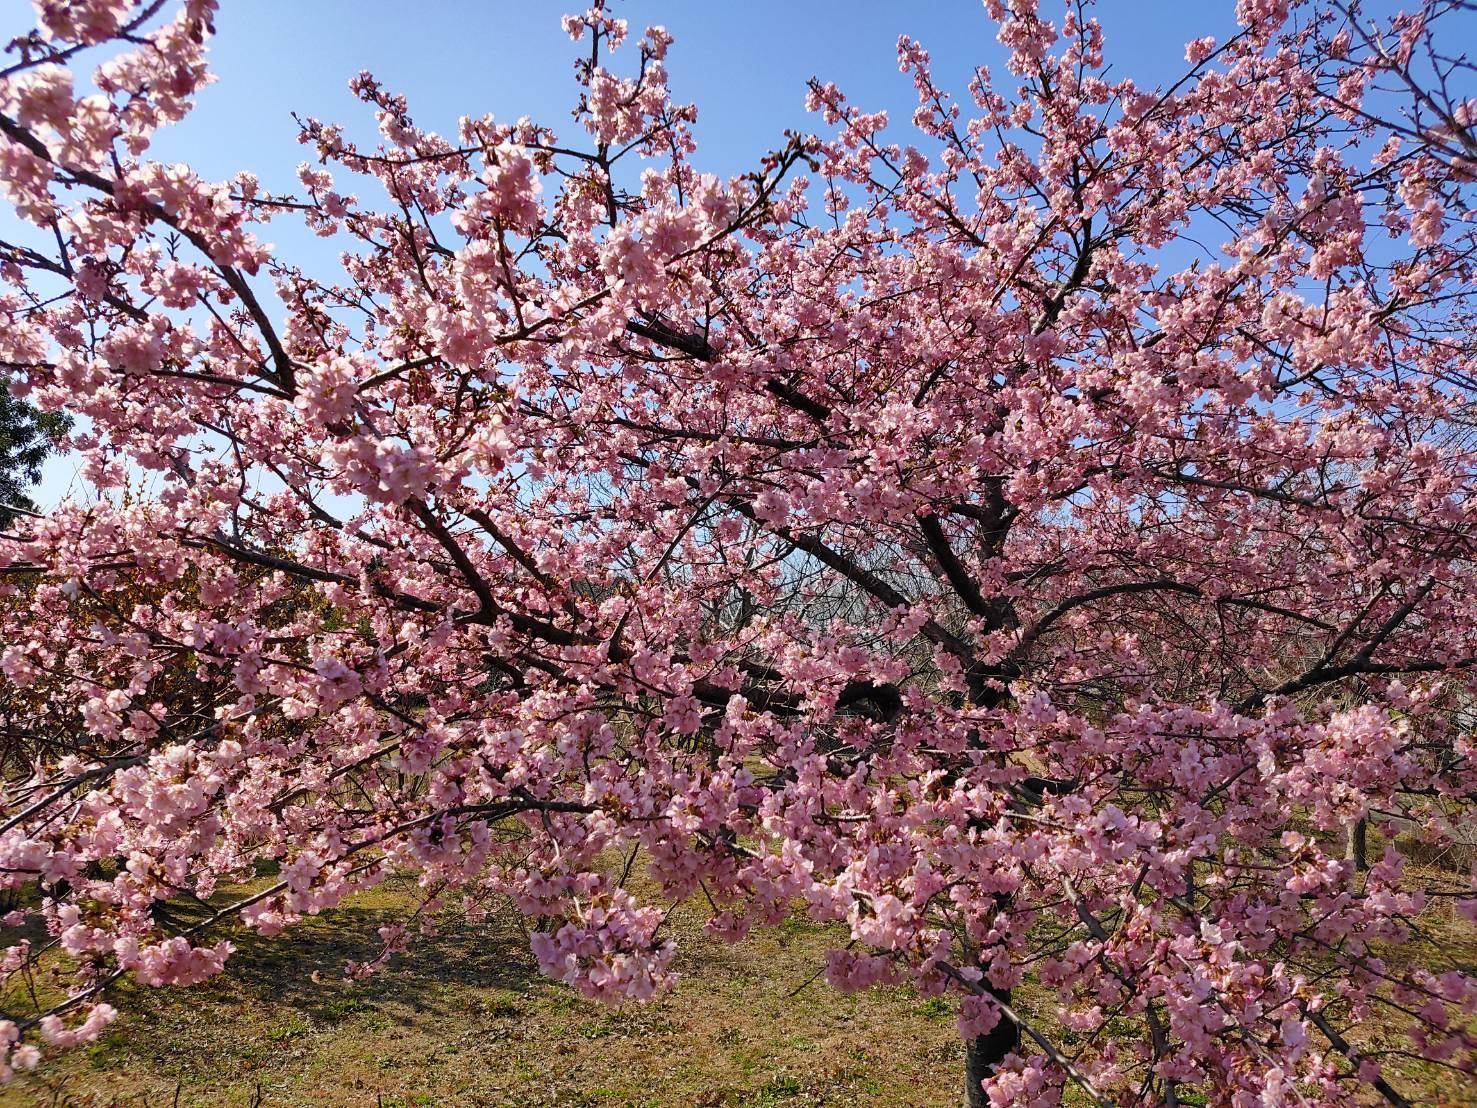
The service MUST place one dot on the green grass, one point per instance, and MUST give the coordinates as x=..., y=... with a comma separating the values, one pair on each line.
x=465, y=1019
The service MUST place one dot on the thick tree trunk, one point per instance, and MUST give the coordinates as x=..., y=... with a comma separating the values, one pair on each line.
x=1358, y=847
x=984, y=1052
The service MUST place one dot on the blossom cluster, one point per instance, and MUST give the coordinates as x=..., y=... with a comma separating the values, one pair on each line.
x=1035, y=538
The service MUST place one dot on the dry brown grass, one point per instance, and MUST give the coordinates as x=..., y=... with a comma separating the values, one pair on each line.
x=465, y=1019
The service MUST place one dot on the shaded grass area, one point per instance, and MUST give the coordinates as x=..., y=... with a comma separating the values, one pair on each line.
x=466, y=1019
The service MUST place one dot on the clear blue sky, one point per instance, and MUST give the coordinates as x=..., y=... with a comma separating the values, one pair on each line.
x=744, y=62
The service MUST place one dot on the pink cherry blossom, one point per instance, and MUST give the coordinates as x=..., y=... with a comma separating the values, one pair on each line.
x=1033, y=537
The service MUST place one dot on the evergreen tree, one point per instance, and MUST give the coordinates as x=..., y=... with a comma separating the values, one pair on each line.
x=26, y=438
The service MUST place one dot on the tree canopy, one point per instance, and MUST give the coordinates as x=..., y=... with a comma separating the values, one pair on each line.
x=1029, y=536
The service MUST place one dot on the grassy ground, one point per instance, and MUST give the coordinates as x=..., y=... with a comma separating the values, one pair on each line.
x=465, y=1019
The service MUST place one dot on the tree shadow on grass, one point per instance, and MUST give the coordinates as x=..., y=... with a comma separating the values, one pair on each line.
x=305, y=967
x=280, y=998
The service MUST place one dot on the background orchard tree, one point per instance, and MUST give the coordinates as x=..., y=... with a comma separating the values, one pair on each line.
x=1029, y=536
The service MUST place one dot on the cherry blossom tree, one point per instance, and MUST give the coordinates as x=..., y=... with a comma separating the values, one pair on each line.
x=1029, y=537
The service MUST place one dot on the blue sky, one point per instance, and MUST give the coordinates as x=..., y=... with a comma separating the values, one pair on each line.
x=744, y=62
